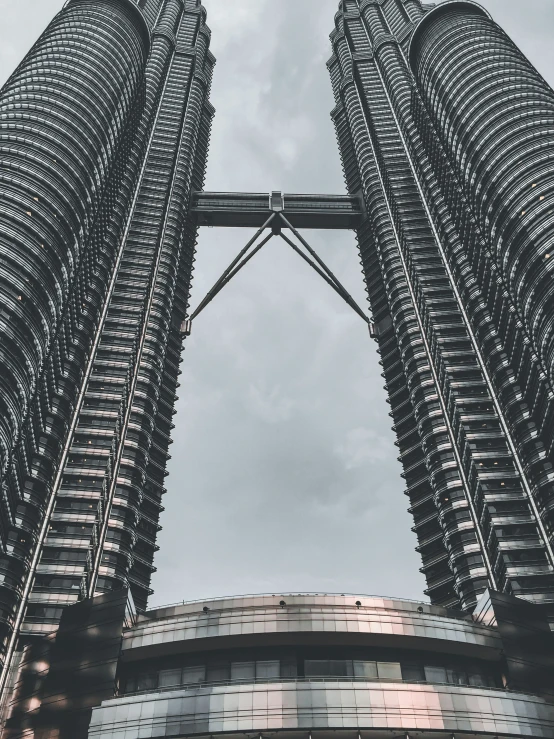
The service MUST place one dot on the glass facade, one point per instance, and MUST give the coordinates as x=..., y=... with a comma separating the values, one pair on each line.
x=246, y=668
x=444, y=126
x=300, y=667
x=292, y=663
x=69, y=117
x=315, y=710
x=105, y=131
x=105, y=522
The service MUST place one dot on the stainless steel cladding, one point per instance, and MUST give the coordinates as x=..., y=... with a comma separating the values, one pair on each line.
x=68, y=116
x=104, y=527
x=444, y=131
x=446, y=134
x=314, y=667
x=104, y=135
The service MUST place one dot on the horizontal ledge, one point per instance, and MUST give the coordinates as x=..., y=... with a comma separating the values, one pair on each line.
x=135, y=652
x=251, y=210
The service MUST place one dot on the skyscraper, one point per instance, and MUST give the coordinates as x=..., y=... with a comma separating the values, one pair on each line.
x=445, y=128
x=104, y=135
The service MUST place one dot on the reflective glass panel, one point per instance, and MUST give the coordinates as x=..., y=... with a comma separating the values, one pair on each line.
x=413, y=672
x=147, y=681
x=479, y=680
x=328, y=667
x=365, y=669
x=316, y=667
x=168, y=678
x=243, y=670
x=389, y=671
x=288, y=668
x=457, y=677
x=435, y=674
x=194, y=674
x=217, y=673
x=340, y=667
x=268, y=670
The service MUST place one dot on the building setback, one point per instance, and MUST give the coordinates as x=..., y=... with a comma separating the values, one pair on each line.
x=104, y=135
x=445, y=128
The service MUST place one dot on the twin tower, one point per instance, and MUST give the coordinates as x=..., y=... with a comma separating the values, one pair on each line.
x=446, y=133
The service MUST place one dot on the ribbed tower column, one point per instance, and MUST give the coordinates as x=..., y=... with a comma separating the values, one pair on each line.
x=104, y=525
x=470, y=403
x=67, y=115
x=494, y=114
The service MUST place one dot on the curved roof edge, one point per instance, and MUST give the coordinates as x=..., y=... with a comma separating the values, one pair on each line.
x=143, y=23
x=331, y=600
x=438, y=10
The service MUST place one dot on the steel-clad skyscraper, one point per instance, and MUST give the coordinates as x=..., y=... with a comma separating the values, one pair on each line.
x=104, y=135
x=447, y=130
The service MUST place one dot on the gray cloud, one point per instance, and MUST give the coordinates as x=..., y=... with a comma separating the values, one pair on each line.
x=292, y=471
x=22, y=23
x=284, y=472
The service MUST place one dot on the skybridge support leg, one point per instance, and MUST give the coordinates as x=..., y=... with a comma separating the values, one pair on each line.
x=277, y=221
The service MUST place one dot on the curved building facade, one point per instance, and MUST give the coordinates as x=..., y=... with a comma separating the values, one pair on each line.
x=62, y=130
x=312, y=666
x=102, y=535
x=495, y=117
x=104, y=137
x=69, y=115
x=444, y=127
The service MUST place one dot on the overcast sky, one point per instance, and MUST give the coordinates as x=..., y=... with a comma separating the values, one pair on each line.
x=284, y=474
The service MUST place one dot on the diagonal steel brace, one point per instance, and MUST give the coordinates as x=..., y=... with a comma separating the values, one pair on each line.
x=316, y=263
x=232, y=269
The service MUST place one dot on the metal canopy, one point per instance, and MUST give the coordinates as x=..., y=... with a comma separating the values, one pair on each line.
x=251, y=210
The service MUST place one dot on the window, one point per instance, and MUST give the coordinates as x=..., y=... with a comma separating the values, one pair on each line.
x=366, y=670
x=435, y=674
x=38, y=611
x=168, y=678
x=389, y=671
x=481, y=681
x=268, y=670
x=413, y=672
x=289, y=668
x=243, y=670
x=456, y=677
x=147, y=681
x=328, y=668
x=193, y=675
x=218, y=673
x=458, y=672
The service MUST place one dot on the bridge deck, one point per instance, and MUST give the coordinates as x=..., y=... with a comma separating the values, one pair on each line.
x=251, y=210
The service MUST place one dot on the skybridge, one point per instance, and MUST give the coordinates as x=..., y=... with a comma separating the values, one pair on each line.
x=251, y=210
x=278, y=213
